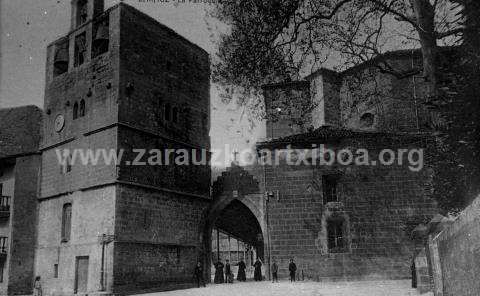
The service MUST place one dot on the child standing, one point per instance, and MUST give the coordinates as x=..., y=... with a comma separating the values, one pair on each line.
x=37, y=287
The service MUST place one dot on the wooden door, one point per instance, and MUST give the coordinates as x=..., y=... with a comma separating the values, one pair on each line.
x=81, y=275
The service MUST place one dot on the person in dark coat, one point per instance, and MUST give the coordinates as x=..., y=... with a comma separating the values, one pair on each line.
x=199, y=274
x=274, y=269
x=257, y=274
x=218, y=273
x=241, y=276
x=228, y=273
x=292, y=267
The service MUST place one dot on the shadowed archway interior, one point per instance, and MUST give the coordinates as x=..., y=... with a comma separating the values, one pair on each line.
x=238, y=221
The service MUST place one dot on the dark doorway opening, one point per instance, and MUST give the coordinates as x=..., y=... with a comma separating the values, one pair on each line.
x=237, y=236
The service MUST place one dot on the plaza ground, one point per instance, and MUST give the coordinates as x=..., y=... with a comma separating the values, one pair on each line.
x=285, y=288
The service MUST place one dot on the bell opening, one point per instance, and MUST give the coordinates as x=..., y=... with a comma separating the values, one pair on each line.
x=60, y=63
x=101, y=38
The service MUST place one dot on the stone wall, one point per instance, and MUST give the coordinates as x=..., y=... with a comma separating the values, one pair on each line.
x=93, y=214
x=380, y=205
x=395, y=103
x=163, y=69
x=158, y=239
x=458, y=253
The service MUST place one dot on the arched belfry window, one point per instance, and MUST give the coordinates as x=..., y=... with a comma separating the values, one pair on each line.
x=66, y=222
x=81, y=111
x=75, y=110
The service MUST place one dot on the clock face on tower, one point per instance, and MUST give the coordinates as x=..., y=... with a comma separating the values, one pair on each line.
x=59, y=123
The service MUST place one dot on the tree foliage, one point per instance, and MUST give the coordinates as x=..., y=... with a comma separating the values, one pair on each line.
x=279, y=40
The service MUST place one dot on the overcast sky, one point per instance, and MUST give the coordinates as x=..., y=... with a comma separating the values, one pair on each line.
x=27, y=26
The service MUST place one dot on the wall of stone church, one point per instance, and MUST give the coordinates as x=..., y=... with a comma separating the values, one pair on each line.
x=187, y=177
x=459, y=250
x=93, y=214
x=55, y=180
x=163, y=68
x=380, y=205
x=395, y=103
x=158, y=238
x=96, y=81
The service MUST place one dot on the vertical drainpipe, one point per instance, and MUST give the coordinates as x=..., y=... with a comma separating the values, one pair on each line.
x=415, y=94
x=267, y=219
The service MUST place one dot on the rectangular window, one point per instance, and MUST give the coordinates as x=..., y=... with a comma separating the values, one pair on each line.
x=329, y=183
x=1, y=272
x=66, y=222
x=80, y=49
x=55, y=271
x=335, y=236
x=3, y=244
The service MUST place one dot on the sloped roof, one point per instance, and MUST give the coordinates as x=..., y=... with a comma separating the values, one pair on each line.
x=329, y=134
x=20, y=131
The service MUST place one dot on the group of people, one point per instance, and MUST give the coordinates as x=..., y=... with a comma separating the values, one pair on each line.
x=224, y=274
x=292, y=269
x=241, y=274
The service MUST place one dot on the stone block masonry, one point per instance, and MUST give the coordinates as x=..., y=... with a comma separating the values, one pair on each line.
x=458, y=254
x=149, y=90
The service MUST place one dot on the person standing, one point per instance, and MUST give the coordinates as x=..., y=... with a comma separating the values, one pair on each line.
x=218, y=273
x=37, y=287
x=257, y=274
x=241, y=277
x=274, y=269
x=228, y=272
x=292, y=267
x=199, y=274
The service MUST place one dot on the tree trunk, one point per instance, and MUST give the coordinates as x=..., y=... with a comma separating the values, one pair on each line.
x=424, y=15
x=425, y=20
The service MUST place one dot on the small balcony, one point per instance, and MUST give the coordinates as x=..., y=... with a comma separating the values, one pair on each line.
x=4, y=207
x=3, y=247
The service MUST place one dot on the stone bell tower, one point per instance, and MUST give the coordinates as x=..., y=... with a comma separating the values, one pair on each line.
x=121, y=81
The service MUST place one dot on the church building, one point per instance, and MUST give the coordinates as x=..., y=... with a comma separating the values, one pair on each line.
x=120, y=81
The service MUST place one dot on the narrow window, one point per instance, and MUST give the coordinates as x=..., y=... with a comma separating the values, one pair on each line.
x=329, y=183
x=81, y=110
x=55, y=271
x=167, y=112
x=3, y=244
x=335, y=234
x=2, y=265
x=66, y=222
x=82, y=12
x=75, y=110
x=175, y=114
x=68, y=165
x=80, y=49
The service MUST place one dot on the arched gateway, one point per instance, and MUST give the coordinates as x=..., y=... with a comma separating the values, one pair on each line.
x=238, y=212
